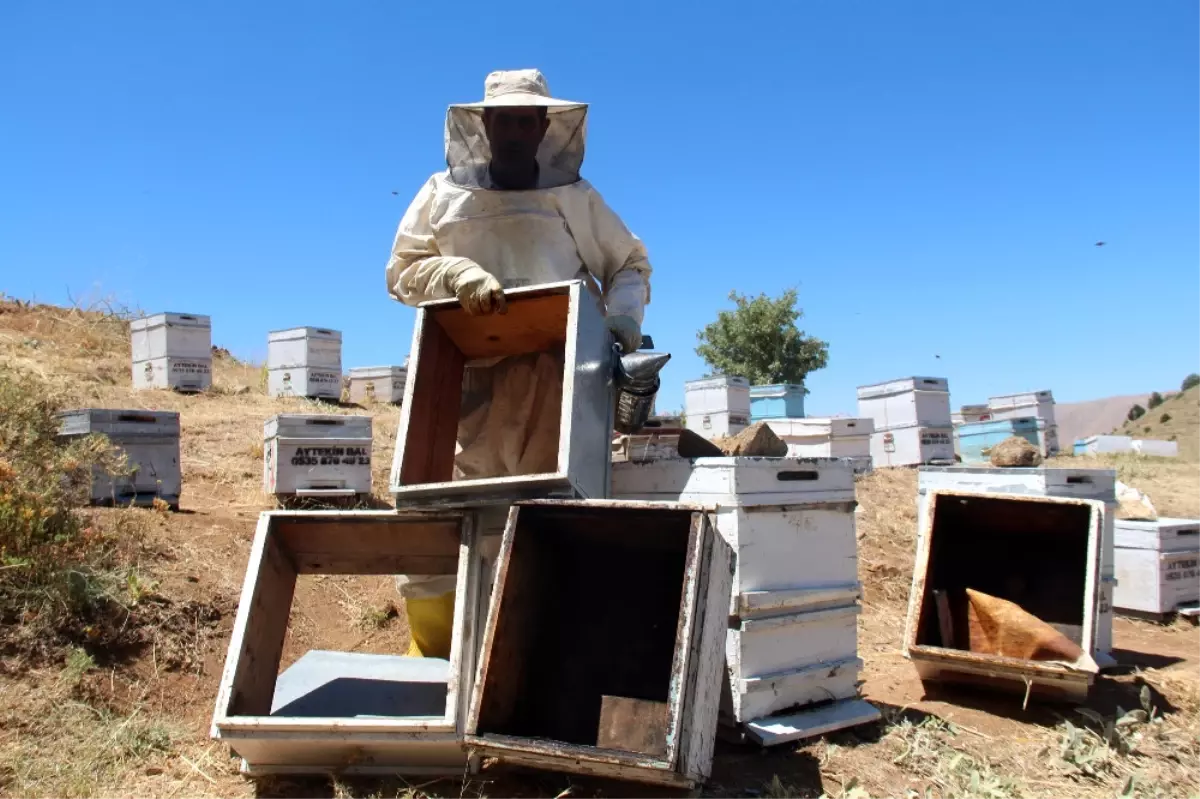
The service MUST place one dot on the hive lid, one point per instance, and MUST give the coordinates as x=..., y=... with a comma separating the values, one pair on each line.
x=170, y=318
x=300, y=425
x=293, y=333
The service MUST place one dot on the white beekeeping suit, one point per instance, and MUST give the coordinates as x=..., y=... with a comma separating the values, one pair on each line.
x=467, y=235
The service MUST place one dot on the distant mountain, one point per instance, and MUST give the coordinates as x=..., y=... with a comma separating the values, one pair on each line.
x=1078, y=420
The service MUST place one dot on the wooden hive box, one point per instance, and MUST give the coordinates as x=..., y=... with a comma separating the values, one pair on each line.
x=280, y=723
x=150, y=442
x=1156, y=565
x=172, y=350
x=603, y=647
x=1043, y=553
x=792, y=638
x=559, y=317
x=315, y=455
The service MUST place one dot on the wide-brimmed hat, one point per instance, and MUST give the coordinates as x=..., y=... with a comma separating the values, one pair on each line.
x=519, y=87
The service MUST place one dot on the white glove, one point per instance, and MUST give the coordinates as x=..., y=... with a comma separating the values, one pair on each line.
x=477, y=291
x=627, y=331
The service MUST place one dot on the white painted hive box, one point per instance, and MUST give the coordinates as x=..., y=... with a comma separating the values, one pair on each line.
x=717, y=395
x=292, y=723
x=576, y=676
x=150, y=442
x=305, y=381
x=1043, y=553
x=912, y=446
x=1097, y=484
x=794, y=598
x=816, y=437
x=1157, y=564
x=370, y=384
x=558, y=320
x=1156, y=448
x=172, y=351
x=317, y=455
x=923, y=401
x=317, y=347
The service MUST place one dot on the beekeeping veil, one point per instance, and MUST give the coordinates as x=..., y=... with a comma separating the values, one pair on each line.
x=560, y=155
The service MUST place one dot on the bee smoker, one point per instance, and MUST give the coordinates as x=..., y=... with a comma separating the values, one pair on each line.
x=635, y=377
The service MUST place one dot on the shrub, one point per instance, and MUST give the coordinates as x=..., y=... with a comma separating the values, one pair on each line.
x=55, y=566
x=1190, y=381
x=1135, y=413
x=1166, y=417
x=1155, y=400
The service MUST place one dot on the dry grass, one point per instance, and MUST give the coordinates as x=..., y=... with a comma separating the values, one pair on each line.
x=91, y=725
x=1176, y=419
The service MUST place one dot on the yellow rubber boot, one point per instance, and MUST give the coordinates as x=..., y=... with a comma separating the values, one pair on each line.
x=431, y=622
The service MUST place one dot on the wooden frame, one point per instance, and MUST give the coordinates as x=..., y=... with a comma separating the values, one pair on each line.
x=291, y=543
x=697, y=663
x=942, y=664
x=556, y=316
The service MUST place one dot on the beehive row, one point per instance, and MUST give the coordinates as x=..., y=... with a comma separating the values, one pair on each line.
x=174, y=351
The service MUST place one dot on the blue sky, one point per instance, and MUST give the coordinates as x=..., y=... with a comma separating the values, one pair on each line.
x=932, y=176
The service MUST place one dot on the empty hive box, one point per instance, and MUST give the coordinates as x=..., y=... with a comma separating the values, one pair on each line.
x=1006, y=592
x=340, y=711
x=560, y=319
x=603, y=651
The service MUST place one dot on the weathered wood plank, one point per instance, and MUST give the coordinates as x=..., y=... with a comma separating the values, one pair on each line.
x=633, y=725
x=264, y=628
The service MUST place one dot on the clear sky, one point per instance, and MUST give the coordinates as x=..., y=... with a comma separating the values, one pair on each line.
x=932, y=176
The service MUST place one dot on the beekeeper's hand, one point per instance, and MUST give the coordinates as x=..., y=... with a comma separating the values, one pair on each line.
x=477, y=291
x=627, y=331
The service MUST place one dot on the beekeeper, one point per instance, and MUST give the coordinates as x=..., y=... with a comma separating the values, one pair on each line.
x=510, y=210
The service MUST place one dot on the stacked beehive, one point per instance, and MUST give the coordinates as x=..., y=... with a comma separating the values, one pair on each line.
x=304, y=362
x=717, y=406
x=912, y=421
x=794, y=607
x=1038, y=405
x=172, y=350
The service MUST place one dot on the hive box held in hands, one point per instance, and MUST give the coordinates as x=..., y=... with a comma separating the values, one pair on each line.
x=1157, y=564
x=777, y=401
x=172, y=350
x=1041, y=553
x=370, y=384
x=334, y=711
x=304, y=362
x=150, y=442
x=561, y=319
x=308, y=455
x=1039, y=405
x=576, y=676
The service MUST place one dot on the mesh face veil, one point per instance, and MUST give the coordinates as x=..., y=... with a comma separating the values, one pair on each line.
x=560, y=153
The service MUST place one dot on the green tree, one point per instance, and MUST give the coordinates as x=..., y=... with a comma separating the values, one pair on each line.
x=1155, y=400
x=759, y=340
x=1135, y=413
x=1189, y=381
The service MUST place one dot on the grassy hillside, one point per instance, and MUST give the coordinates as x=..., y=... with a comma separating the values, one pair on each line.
x=1177, y=419
x=119, y=703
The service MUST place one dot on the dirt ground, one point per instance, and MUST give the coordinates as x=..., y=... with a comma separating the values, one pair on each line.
x=138, y=723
